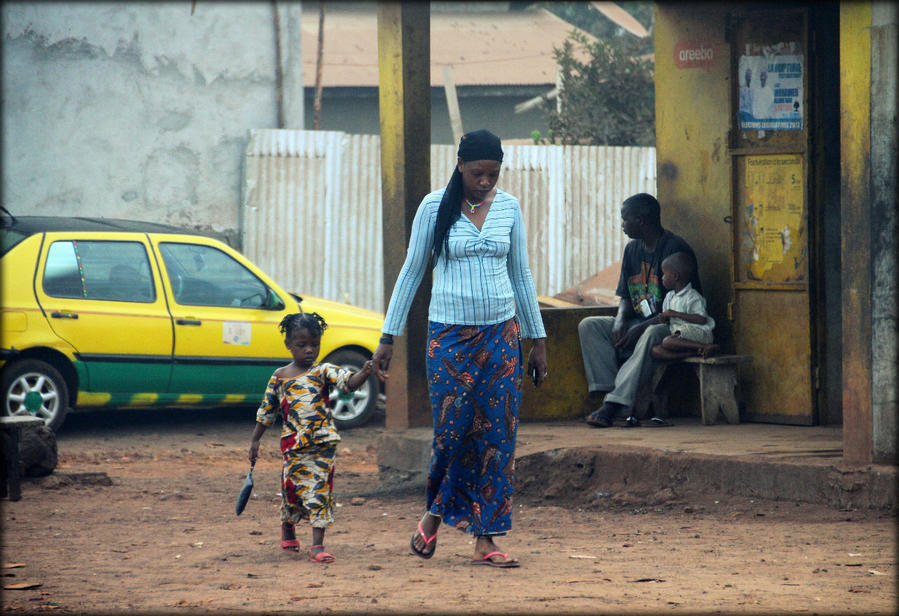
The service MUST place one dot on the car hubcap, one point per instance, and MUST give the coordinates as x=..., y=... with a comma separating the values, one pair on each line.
x=33, y=394
x=33, y=401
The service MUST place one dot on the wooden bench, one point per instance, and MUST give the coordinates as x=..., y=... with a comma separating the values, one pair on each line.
x=13, y=426
x=717, y=388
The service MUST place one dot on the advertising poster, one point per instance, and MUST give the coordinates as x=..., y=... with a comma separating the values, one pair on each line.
x=774, y=217
x=771, y=88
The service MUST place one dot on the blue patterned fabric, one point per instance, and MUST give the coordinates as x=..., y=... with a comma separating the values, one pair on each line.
x=474, y=381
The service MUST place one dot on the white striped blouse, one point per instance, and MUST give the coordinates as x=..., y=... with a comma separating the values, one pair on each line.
x=481, y=279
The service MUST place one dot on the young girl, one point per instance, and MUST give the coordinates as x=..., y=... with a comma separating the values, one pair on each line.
x=299, y=391
x=684, y=310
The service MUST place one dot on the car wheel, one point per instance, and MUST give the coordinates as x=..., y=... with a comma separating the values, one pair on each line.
x=354, y=408
x=33, y=387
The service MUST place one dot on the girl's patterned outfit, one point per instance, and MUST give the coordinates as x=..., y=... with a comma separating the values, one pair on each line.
x=308, y=441
x=474, y=357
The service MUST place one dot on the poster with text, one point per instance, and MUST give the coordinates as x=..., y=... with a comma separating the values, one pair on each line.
x=774, y=217
x=770, y=91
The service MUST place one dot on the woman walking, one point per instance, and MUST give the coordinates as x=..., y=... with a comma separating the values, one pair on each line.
x=483, y=302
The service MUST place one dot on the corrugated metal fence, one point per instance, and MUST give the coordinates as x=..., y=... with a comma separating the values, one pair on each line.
x=311, y=215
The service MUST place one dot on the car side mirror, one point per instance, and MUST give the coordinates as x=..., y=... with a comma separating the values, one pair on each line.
x=273, y=302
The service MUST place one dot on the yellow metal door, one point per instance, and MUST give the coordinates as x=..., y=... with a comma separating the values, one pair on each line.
x=771, y=276
x=227, y=342
x=103, y=297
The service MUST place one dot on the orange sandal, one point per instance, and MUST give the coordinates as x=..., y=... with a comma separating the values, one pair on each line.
x=321, y=557
x=290, y=544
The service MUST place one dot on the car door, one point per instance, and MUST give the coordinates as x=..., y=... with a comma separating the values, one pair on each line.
x=226, y=315
x=103, y=296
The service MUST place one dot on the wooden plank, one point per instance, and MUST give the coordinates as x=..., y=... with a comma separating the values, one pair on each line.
x=554, y=302
x=719, y=359
x=857, y=236
x=20, y=421
x=405, y=112
x=452, y=103
x=621, y=18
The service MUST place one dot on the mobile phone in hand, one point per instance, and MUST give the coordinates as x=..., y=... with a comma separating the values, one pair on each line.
x=534, y=375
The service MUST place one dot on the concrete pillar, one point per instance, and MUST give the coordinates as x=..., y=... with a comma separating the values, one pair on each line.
x=884, y=62
x=404, y=61
x=291, y=17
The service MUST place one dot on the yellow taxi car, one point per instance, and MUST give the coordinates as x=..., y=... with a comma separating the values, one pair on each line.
x=115, y=313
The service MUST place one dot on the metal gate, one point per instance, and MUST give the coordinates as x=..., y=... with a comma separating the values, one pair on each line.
x=311, y=209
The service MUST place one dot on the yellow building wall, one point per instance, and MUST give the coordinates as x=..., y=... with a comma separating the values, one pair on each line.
x=692, y=123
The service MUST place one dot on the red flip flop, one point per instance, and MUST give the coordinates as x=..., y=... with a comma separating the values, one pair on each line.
x=290, y=544
x=503, y=564
x=321, y=557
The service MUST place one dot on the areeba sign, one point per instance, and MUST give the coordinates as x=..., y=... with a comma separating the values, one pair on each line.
x=695, y=54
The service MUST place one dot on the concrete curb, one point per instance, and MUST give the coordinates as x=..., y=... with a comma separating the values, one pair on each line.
x=591, y=471
x=581, y=473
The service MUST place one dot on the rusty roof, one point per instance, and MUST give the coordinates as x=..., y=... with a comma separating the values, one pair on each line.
x=485, y=48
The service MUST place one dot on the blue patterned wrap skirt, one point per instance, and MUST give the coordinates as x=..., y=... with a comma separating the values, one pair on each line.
x=474, y=382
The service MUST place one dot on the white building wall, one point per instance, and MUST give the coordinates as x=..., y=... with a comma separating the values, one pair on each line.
x=138, y=110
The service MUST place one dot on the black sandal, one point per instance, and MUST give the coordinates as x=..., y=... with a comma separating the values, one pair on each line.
x=658, y=422
x=598, y=421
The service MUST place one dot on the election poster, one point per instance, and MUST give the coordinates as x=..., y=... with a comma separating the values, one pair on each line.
x=771, y=88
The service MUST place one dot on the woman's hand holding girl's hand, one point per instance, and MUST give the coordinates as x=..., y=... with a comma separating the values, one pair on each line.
x=381, y=360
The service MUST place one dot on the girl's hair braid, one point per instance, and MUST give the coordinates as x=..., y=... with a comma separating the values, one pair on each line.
x=293, y=323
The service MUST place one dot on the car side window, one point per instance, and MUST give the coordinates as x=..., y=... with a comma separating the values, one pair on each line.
x=99, y=270
x=206, y=276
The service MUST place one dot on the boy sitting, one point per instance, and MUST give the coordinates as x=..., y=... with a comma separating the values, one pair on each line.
x=684, y=310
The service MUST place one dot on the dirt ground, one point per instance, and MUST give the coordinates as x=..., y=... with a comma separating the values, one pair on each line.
x=139, y=516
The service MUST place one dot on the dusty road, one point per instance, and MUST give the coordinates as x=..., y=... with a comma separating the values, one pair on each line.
x=139, y=516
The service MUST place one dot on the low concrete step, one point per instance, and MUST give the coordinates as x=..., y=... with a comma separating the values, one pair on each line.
x=569, y=460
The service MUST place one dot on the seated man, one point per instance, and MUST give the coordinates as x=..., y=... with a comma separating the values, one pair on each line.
x=629, y=337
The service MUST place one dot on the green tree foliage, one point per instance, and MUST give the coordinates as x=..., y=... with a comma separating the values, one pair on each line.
x=607, y=85
x=607, y=94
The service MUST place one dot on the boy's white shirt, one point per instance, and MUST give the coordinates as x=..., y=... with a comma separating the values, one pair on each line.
x=689, y=301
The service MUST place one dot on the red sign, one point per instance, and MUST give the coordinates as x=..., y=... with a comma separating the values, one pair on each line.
x=694, y=54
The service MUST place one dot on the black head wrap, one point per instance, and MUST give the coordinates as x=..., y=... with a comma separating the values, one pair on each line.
x=480, y=145
x=476, y=145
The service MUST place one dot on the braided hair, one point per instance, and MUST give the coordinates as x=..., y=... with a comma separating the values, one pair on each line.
x=291, y=324
x=476, y=145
